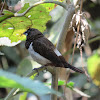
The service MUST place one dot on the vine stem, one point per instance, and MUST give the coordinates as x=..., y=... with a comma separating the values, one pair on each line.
x=2, y=7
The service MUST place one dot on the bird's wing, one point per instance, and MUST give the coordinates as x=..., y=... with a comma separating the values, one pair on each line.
x=46, y=49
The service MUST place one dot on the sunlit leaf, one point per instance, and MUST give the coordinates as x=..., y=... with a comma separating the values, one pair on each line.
x=23, y=96
x=13, y=28
x=70, y=85
x=6, y=14
x=48, y=6
x=94, y=68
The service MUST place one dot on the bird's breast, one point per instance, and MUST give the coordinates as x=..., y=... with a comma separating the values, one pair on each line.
x=37, y=57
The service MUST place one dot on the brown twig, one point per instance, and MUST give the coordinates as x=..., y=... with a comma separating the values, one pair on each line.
x=2, y=7
x=77, y=32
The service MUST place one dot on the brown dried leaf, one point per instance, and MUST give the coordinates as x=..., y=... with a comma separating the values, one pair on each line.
x=84, y=30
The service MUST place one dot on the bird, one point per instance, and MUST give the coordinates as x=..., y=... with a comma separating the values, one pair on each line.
x=44, y=52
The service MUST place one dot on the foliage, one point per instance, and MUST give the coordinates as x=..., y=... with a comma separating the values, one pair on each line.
x=11, y=34
x=94, y=68
x=24, y=84
x=14, y=27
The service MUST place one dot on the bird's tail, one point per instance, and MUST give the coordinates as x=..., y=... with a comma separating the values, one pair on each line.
x=67, y=65
x=73, y=68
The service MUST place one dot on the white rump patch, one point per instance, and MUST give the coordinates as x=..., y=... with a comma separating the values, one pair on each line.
x=57, y=52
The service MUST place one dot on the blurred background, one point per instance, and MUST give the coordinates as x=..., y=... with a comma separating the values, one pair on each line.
x=17, y=60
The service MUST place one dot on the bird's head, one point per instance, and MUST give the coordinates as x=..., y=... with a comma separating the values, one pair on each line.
x=32, y=32
x=29, y=31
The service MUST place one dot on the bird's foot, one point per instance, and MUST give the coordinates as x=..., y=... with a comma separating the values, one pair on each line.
x=45, y=70
x=36, y=69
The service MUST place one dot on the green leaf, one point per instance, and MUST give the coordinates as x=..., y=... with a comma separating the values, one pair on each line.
x=20, y=25
x=14, y=27
x=8, y=79
x=6, y=29
x=61, y=82
x=6, y=14
x=26, y=65
x=48, y=6
x=39, y=17
x=70, y=85
x=94, y=68
x=23, y=96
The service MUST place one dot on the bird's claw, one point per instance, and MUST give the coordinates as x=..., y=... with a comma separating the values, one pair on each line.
x=36, y=69
x=45, y=70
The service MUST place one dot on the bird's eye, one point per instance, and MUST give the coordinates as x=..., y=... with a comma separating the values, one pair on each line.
x=25, y=33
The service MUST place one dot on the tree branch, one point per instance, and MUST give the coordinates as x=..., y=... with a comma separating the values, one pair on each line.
x=60, y=43
x=69, y=14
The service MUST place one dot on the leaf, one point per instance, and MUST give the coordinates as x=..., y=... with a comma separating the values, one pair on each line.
x=20, y=25
x=38, y=15
x=8, y=79
x=6, y=30
x=70, y=85
x=94, y=68
x=48, y=6
x=26, y=65
x=61, y=82
x=6, y=14
x=23, y=96
x=13, y=28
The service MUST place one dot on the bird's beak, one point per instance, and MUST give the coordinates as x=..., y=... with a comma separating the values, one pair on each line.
x=25, y=33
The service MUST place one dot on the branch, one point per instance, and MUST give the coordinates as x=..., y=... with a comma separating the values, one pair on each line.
x=41, y=2
x=94, y=39
x=63, y=33
x=2, y=7
x=60, y=43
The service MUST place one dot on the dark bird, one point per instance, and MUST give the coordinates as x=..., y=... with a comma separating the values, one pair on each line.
x=44, y=52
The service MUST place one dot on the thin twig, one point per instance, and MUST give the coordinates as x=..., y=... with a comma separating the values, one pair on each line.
x=2, y=7
x=41, y=2
x=94, y=39
x=83, y=64
x=90, y=41
x=77, y=32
